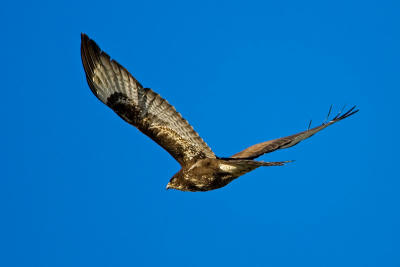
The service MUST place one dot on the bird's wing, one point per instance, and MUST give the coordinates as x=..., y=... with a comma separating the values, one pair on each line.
x=141, y=107
x=288, y=141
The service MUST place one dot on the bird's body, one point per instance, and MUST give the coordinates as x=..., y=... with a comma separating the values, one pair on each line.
x=203, y=175
x=209, y=174
x=141, y=107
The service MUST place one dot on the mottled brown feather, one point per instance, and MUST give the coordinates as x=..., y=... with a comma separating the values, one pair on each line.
x=112, y=84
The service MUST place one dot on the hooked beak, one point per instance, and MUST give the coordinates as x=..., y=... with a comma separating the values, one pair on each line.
x=168, y=186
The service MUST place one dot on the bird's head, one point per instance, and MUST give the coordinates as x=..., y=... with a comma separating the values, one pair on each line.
x=169, y=186
x=174, y=182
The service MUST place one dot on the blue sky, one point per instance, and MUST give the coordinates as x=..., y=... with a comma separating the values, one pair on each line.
x=80, y=187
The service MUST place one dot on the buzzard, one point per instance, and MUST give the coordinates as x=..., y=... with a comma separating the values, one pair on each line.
x=201, y=169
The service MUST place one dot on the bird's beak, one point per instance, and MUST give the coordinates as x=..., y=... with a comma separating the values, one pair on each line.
x=168, y=186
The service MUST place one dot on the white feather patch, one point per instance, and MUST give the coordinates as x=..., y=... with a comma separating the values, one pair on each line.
x=227, y=168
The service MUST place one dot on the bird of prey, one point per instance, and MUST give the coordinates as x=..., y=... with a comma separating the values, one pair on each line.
x=201, y=169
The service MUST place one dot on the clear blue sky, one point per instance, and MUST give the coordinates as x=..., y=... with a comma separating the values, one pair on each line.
x=80, y=187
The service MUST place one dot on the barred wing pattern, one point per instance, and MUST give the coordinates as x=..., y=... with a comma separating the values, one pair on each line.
x=288, y=141
x=141, y=107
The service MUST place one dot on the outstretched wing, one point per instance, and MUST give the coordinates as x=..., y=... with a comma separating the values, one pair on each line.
x=288, y=141
x=141, y=107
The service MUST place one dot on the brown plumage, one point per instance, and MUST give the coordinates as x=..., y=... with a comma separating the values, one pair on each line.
x=141, y=107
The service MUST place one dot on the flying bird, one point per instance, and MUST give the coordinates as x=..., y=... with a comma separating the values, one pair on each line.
x=201, y=169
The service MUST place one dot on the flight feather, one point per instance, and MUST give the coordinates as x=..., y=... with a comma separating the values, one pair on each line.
x=112, y=84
